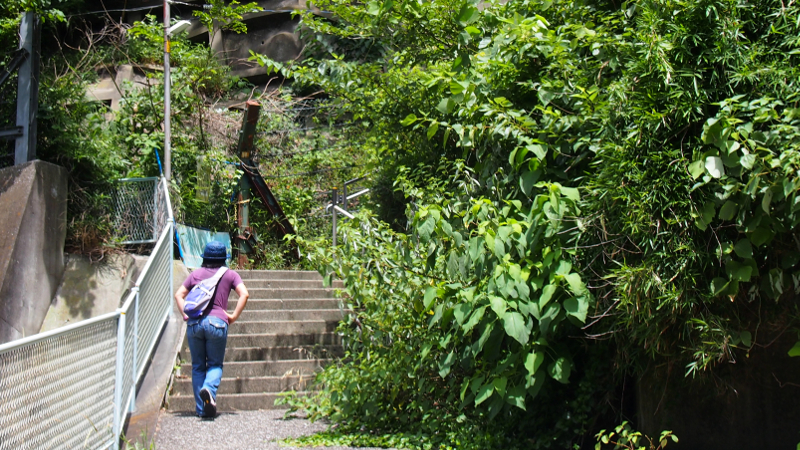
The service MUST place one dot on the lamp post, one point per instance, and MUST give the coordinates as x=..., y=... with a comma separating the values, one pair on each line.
x=167, y=129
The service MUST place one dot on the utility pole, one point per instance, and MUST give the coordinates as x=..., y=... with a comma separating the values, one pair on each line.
x=167, y=130
x=28, y=88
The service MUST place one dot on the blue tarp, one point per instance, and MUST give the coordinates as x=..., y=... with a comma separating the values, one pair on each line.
x=194, y=240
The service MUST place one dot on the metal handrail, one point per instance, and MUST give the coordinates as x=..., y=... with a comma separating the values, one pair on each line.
x=55, y=333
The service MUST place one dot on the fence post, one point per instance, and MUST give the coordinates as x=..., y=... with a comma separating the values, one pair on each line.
x=118, y=379
x=135, y=347
x=333, y=211
x=156, y=231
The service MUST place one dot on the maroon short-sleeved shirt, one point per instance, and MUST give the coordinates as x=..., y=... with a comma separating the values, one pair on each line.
x=227, y=283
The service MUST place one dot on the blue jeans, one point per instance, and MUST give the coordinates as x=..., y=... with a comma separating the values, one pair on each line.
x=207, y=337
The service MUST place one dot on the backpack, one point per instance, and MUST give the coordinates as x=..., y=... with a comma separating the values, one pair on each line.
x=202, y=294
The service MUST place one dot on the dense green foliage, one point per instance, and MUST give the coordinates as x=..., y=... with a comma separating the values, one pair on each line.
x=568, y=192
x=646, y=151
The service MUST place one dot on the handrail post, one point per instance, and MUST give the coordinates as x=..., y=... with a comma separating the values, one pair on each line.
x=333, y=211
x=118, y=379
x=344, y=198
x=135, y=347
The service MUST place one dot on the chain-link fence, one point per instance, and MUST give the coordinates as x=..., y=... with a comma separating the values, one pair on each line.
x=56, y=390
x=136, y=215
x=72, y=387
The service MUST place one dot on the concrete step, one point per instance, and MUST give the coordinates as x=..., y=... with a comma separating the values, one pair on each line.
x=282, y=340
x=279, y=275
x=284, y=327
x=289, y=284
x=237, y=354
x=243, y=369
x=291, y=314
x=270, y=294
x=291, y=303
x=274, y=341
x=229, y=402
x=248, y=385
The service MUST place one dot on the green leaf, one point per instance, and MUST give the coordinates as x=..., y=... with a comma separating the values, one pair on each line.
x=546, y=96
x=563, y=267
x=444, y=367
x=747, y=338
x=484, y=393
x=547, y=294
x=516, y=397
x=577, y=307
x=747, y=161
x=514, y=324
x=474, y=319
x=718, y=285
x=528, y=180
x=728, y=210
x=499, y=248
x=696, y=169
x=446, y=105
x=475, y=247
x=432, y=129
x=472, y=31
x=533, y=361
x=409, y=120
x=795, y=351
x=461, y=311
x=760, y=236
x=706, y=215
x=743, y=249
x=767, y=200
x=560, y=370
x=425, y=229
x=738, y=271
x=714, y=166
x=576, y=284
x=571, y=193
x=500, y=385
x=468, y=14
x=537, y=150
x=452, y=266
x=498, y=306
x=430, y=296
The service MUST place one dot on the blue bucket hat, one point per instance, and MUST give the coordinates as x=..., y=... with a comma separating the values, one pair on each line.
x=215, y=251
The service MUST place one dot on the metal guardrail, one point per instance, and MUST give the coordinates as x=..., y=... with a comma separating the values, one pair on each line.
x=338, y=199
x=71, y=388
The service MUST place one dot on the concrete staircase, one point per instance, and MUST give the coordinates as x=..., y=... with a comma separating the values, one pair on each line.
x=284, y=335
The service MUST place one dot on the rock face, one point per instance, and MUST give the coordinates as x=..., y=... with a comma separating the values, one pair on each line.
x=33, y=223
x=285, y=334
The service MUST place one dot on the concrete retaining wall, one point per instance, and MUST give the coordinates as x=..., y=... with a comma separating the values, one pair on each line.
x=33, y=218
x=743, y=406
x=90, y=289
